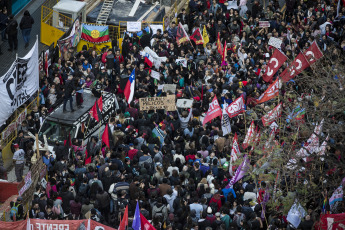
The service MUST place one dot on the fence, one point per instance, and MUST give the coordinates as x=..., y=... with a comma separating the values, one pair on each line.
x=10, y=132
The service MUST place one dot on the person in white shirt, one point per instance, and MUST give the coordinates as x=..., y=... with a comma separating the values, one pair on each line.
x=18, y=160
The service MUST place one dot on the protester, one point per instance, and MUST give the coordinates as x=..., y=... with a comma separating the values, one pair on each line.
x=26, y=25
x=12, y=31
x=179, y=169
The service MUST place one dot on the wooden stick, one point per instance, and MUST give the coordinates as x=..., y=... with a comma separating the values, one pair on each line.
x=37, y=148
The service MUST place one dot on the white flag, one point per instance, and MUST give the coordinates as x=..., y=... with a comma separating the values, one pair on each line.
x=182, y=62
x=155, y=75
x=226, y=127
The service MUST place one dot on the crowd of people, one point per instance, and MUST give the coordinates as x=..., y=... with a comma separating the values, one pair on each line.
x=180, y=182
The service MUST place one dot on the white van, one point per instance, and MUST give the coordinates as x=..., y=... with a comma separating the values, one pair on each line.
x=59, y=125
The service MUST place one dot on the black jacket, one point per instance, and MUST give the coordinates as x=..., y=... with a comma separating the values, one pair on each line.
x=26, y=22
x=12, y=28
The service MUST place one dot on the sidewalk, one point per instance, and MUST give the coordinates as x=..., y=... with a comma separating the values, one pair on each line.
x=7, y=57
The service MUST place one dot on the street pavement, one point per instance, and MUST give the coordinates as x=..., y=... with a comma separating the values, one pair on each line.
x=7, y=58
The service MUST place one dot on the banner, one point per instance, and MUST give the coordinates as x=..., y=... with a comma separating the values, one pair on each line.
x=19, y=83
x=271, y=92
x=226, y=126
x=240, y=171
x=214, y=111
x=296, y=214
x=250, y=136
x=152, y=103
x=181, y=35
x=235, y=151
x=155, y=75
x=313, y=53
x=275, y=42
x=156, y=27
x=236, y=107
x=276, y=61
x=182, y=62
x=297, y=66
x=72, y=39
x=333, y=221
x=133, y=26
x=272, y=115
x=153, y=57
x=197, y=37
x=264, y=24
x=184, y=103
x=169, y=87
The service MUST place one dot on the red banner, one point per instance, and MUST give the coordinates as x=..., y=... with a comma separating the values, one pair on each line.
x=313, y=53
x=236, y=107
x=271, y=92
x=332, y=221
x=297, y=66
x=214, y=111
x=302, y=61
x=250, y=136
x=272, y=115
x=276, y=61
x=196, y=37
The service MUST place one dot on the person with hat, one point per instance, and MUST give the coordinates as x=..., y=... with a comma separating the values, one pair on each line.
x=18, y=160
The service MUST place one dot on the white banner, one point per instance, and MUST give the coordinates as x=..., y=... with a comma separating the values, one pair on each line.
x=226, y=127
x=133, y=26
x=19, y=83
x=275, y=42
x=182, y=62
x=155, y=28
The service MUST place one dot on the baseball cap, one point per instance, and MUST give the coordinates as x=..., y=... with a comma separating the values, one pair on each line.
x=16, y=145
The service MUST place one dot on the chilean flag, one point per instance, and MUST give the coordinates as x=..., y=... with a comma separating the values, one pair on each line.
x=129, y=89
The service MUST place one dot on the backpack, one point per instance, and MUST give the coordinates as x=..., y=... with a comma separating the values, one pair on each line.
x=14, y=211
x=83, y=189
x=159, y=213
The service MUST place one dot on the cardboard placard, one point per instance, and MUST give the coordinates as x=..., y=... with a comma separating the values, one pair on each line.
x=169, y=87
x=184, y=103
x=152, y=103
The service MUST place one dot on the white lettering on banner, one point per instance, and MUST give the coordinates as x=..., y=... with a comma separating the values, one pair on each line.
x=42, y=226
x=236, y=107
x=270, y=71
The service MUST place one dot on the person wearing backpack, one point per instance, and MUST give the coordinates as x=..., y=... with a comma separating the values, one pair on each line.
x=160, y=210
x=17, y=210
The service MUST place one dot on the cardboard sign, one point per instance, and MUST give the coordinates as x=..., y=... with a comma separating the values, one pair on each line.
x=184, y=103
x=275, y=42
x=264, y=24
x=169, y=87
x=152, y=103
x=133, y=26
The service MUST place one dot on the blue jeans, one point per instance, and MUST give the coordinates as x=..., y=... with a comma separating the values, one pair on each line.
x=26, y=35
x=66, y=99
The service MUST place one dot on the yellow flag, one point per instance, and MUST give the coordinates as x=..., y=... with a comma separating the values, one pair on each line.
x=205, y=36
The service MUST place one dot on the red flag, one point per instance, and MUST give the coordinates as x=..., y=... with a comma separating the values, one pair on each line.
x=219, y=46
x=124, y=221
x=276, y=61
x=235, y=150
x=313, y=53
x=250, y=136
x=297, y=66
x=181, y=36
x=145, y=224
x=225, y=54
x=107, y=137
x=236, y=107
x=272, y=115
x=214, y=111
x=271, y=92
x=148, y=62
x=96, y=109
x=196, y=37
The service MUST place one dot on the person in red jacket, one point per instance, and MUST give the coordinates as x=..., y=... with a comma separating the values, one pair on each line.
x=132, y=152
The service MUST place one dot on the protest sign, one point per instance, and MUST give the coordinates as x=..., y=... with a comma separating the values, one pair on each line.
x=156, y=27
x=169, y=87
x=133, y=26
x=152, y=103
x=184, y=103
x=275, y=42
x=264, y=24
